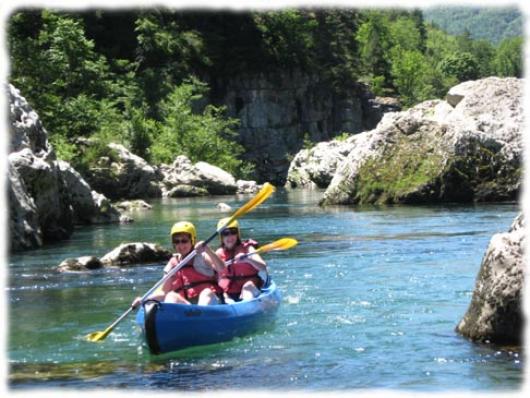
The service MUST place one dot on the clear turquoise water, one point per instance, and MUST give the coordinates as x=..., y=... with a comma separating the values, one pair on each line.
x=371, y=297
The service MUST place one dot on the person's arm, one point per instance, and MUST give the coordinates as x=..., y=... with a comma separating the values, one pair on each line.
x=210, y=257
x=255, y=259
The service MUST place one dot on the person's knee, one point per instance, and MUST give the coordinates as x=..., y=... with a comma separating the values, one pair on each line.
x=208, y=297
x=249, y=291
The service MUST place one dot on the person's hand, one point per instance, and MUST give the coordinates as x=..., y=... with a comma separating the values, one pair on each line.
x=239, y=257
x=137, y=301
x=200, y=247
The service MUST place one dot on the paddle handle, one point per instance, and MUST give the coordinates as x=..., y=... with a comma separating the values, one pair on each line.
x=184, y=261
x=230, y=262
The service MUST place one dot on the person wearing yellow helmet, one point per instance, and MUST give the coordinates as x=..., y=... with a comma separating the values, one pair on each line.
x=195, y=282
x=240, y=280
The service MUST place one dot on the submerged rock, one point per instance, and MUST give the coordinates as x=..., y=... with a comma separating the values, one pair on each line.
x=495, y=313
x=80, y=264
x=435, y=152
x=135, y=253
x=223, y=207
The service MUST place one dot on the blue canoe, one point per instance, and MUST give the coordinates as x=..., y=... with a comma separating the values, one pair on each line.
x=169, y=327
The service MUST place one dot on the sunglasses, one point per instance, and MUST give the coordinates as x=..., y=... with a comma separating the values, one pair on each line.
x=228, y=232
x=178, y=241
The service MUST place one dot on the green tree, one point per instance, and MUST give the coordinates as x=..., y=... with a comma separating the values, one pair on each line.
x=202, y=136
x=461, y=65
x=374, y=41
x=508, y=59
x=410, y=73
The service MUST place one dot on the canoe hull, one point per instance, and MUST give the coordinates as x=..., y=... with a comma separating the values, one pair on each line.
x=170, y=327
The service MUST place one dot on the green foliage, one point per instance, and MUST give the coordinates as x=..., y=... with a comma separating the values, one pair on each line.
x=308, y=143
x=508, y=60
x=375, y=42
x=461, y=65
x=410, y=72
x=125, y=76
x=342, y=136
x=491, y=23
x=202, y=136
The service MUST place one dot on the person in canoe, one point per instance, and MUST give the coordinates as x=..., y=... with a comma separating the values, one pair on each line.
x=240, y=280
x=195, y=282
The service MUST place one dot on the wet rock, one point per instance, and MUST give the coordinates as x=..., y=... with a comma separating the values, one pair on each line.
x=124, y=219
x=496, y=310
x=123, y=174
x=182, y=178
x=223, y=207
x=135, y=253
x=79, y=264
x=435, y=152
x=315, y=167
x=247, y=187
x=131, y=205
x=186, y=191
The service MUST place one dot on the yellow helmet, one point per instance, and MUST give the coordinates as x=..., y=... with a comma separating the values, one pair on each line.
x=233, y=224
x=184, y=227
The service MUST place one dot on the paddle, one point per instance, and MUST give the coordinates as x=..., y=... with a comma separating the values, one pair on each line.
x=260, y=197
x=277, y=245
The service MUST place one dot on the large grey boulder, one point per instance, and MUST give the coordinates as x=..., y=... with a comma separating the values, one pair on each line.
x=315, y=167
x=182, y=178
x=135, y=253
x=124, y=175
x=89, y=206
x=437, y=152
x=496, y=310
x=46, y=196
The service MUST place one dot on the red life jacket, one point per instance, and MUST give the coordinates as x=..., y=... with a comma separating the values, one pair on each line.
x=189, y=283
x=235, y=275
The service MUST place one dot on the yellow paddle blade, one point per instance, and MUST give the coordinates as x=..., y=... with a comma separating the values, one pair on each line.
x=280, y=244
x=97, y=336
x=266, y=191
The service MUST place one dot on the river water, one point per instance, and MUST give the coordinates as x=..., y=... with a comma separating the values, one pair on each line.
x=371, y=297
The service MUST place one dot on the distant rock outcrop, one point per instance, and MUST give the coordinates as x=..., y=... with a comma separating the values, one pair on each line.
x=46, y=196
x=468, y=148
x=496, y=310
x=124, y=175
x=182, y=178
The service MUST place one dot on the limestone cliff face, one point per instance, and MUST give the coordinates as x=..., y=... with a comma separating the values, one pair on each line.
x=277, y=111
x=46, y=196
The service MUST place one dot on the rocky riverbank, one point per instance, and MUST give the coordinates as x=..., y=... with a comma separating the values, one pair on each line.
x=48, y=197
x=462, y=149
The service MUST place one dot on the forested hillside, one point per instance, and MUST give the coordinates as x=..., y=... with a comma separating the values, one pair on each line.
x=145, y=78
x=492, y=24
